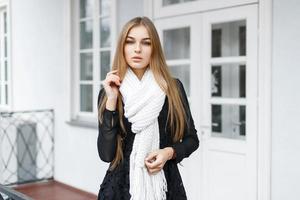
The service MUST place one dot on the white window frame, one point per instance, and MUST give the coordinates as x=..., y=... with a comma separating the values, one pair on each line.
x=73, y=59
x=194, y=6
x=5, y=7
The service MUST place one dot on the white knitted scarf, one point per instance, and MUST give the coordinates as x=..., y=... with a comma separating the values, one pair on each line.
x=143, y=100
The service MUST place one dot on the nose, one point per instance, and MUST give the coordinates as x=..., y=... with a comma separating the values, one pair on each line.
x=137, y=48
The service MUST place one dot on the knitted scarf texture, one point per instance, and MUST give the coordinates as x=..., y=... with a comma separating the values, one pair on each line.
x=143, y=100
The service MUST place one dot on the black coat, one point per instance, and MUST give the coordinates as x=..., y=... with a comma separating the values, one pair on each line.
x=115, y=185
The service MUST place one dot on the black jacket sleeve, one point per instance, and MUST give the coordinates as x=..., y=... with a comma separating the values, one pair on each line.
x=107, y=132
x=190, y=142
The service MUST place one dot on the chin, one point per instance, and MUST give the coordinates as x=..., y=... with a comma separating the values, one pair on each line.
x=138, y=66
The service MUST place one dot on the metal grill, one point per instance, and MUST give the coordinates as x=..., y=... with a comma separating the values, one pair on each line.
x=26, y=146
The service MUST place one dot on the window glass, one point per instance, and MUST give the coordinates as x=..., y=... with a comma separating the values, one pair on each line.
x=229, y=121
x=171, y=2
x=86, y=34
x=86, y=66
x=228, y=80
x=177, y=43
x=86, y=8
x=182, y=72
x=229, y=39
x=86, y=98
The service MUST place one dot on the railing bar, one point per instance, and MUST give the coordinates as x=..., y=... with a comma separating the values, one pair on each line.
x=13, y=194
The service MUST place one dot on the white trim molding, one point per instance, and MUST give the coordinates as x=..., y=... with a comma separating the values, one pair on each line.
x=148, y=8
x=6, y=5
x=68, y=54
x=160, y=11
x=264, y=100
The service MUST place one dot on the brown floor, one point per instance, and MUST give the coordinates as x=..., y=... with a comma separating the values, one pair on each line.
x=53, y=190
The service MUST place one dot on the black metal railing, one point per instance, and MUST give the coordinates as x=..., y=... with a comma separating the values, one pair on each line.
x=26, y=146
x=7, y=193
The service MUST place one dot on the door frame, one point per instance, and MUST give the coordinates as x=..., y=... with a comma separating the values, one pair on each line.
x=264, y=100
x=264, y=103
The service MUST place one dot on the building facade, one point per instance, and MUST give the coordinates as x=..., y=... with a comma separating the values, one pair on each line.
x=234, y=57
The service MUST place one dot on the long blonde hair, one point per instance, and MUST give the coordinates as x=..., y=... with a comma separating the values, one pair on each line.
x=176, y=114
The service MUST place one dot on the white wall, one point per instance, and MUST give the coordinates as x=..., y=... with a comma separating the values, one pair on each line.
x=127, y=10
x=40, y=81
x=285, y=100
x=36, y=54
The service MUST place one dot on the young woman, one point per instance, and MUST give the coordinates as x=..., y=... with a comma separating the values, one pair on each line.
x=145, y=123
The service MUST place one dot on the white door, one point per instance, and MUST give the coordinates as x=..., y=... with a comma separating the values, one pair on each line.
x=214, y=54
x=229, y=120
x=181, y=38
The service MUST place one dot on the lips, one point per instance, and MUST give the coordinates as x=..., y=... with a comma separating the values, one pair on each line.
x=137, y=58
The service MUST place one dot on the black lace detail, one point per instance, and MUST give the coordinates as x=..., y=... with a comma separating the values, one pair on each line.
x=176, y=189
x=115, y=185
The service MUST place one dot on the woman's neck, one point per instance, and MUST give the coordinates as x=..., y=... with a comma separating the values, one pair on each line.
x=139, y=72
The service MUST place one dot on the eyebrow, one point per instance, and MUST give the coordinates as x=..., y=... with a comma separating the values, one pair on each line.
x=134, y=38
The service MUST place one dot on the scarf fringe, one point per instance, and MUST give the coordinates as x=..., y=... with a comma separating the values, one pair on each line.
x=143, y=101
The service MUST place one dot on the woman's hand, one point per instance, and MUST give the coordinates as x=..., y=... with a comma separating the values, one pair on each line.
x=111, y=84
x=156, y=160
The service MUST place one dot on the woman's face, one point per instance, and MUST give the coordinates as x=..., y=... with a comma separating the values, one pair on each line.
x=138, y=49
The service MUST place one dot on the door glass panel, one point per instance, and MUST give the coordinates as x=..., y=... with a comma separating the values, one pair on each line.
x=183, y=73
x=229, y=121
x=86, y=66
x=105, y=63
x=177, y=43
x=86, y=98
x=228, y=80
x=171, y=2
x=228, y=39
x=86, y=34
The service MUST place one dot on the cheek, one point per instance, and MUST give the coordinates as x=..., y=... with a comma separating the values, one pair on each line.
x=148, y=53
x=127, y=51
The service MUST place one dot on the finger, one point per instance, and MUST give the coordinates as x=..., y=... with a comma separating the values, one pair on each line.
x=154, y=171
x=154, y=165
x=151, y=156
x=113, y=71
x=148, y=165
x=113, y=79
x=114, y=75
